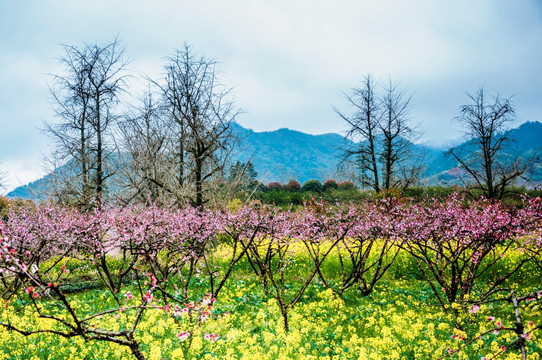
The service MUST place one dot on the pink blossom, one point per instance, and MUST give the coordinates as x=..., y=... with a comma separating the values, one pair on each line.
x=148, y=296
x=211, y=337
x=177, y=312
x=183, y=335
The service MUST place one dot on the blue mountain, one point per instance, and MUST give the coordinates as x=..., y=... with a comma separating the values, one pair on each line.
x=285, y=154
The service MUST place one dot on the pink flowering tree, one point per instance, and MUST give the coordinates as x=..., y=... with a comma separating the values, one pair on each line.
x=243, y=227
x=34, y=239
x=521, y=331
x=47, y=250
x=272, y=255
x=367, y=245
x=321, y=228
x=455, y=245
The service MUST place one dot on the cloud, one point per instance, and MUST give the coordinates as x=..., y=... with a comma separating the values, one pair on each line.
x=288, y=61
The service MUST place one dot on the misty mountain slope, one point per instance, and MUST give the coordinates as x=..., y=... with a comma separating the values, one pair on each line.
x=284, y=154
x=525, y=142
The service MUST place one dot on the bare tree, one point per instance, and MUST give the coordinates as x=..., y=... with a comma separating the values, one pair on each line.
x=145, y=140
x=364, y=126
x=202, y=112
x=379, y=126
x=401, y=165
x=84, y=98
x=486, y=155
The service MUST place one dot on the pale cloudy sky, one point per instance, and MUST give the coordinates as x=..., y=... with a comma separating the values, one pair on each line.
x=288, y=61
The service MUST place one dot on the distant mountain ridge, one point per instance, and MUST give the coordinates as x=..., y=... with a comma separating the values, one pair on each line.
x=285, y=154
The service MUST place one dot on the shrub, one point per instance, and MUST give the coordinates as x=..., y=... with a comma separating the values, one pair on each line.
x=280, y=198
x=347, y=185
x=312, y=185
x=4, y=205
x=275, y=186
x=330, y=184
x=293, y=186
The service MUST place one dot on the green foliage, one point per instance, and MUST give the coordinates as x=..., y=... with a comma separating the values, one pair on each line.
x=242, y=172
x=419, y=193
x=346, y=196
x=281, y=198
x=256, y=185
x=4, y=205
x=346, y=192
x=347, y=185
x=312, y=186
x=330, y=184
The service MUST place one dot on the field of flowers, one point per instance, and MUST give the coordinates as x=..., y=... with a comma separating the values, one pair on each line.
x=387, y=280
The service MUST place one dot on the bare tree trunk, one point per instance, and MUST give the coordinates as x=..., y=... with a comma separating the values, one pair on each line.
x=99, y=153
x=519, y=326
x=198, y=178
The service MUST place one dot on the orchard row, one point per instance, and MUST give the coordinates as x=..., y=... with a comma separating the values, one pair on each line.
x=171, y=257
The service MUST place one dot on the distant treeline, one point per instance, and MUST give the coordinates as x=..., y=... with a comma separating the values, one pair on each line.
x=293, y=193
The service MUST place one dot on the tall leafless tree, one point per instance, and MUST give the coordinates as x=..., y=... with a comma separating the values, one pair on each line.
x=383, y=139
x=486, y=154
x=84, y=98
x=401, y=164
x=145, y=140
x=202, y=112
x=364, y=127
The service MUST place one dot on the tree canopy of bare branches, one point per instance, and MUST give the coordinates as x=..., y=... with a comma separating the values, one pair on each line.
x=486, y=155
x=201, y=111
x=84, y=99
x=145, y=136
x=379, y=125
